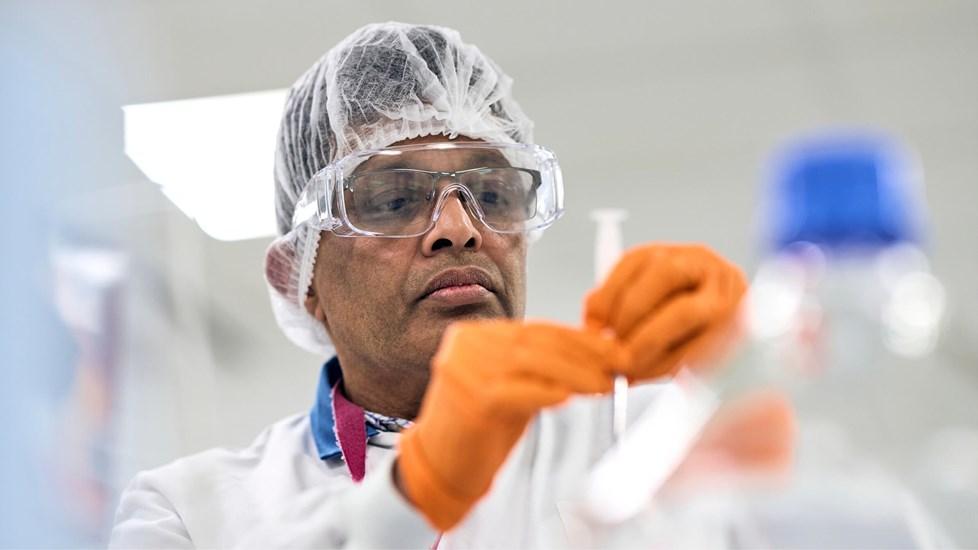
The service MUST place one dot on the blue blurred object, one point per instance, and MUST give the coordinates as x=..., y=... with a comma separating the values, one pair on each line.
x=844, y=190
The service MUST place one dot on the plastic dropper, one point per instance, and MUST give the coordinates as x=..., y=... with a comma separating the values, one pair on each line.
x=607, y=249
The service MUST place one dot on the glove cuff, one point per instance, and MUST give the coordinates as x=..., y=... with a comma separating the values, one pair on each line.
x=442, y=509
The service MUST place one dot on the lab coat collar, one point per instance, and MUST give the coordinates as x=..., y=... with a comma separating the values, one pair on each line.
x=321, y=415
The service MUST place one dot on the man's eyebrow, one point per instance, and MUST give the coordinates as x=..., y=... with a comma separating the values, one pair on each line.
x=491, y=158
x=381, y=163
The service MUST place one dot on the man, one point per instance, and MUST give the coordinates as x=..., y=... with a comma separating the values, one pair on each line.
x=407, y=193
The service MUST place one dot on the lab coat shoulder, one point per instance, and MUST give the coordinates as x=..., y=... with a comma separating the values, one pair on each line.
x=181, y=503
x=146, y=518
x=274, y=493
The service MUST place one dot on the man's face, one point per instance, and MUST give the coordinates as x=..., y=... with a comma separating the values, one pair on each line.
x=373, y=294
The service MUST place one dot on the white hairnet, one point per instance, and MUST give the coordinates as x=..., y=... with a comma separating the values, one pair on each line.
x=383, y=84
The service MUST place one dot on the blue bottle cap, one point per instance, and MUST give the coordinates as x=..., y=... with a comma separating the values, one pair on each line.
x=836, y=190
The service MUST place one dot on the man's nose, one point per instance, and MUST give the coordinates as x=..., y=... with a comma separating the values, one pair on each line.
x=454, y=229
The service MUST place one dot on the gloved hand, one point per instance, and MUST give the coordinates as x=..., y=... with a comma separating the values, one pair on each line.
x=666, y=304
x=751, y=436
x=488, y=381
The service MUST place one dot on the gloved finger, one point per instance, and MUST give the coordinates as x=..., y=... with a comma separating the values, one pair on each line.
x=491, y=341
x=579, y=361
x=524, y=396
x=679, y=322
x=670, y=273
x=590, y=349
x=664, y=365
x=663, y=272
x=458, y=336
x=724, y=331
x=601, y=301
x=698, y=330
x=571, y=343
x=707, y=347
x=699, y=350
x=671, y=276
x=569, y=375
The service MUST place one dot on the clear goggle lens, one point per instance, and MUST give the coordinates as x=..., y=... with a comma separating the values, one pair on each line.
x=402, y=201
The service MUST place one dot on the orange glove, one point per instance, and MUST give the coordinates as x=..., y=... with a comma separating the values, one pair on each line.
x=666, y=304
x=489, y=379
x=751, y=436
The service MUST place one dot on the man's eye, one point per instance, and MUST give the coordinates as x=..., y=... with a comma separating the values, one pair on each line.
x=391, y=202
x=395, y=204
x=491, y=197
x=499, y=192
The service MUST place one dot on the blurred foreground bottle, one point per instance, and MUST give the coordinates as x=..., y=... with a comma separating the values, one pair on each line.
x=843, y=317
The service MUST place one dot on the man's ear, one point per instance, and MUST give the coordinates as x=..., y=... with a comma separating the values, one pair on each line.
x=314, y=306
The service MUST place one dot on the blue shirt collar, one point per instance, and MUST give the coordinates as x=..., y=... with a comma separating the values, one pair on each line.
x=321, y=415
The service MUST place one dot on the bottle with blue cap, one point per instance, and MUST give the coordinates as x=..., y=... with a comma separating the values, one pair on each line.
x=846, y=268
x=843, y=318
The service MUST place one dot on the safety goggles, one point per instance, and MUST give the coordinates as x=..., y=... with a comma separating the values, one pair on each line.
x=401, y=191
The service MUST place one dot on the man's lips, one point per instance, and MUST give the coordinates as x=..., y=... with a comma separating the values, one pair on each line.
x=455, y=296
x=455, y=287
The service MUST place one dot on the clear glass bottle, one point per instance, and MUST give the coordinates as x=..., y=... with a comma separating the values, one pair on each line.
x=843, y=319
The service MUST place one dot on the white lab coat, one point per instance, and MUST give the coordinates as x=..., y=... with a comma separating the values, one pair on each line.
x=278, y=493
